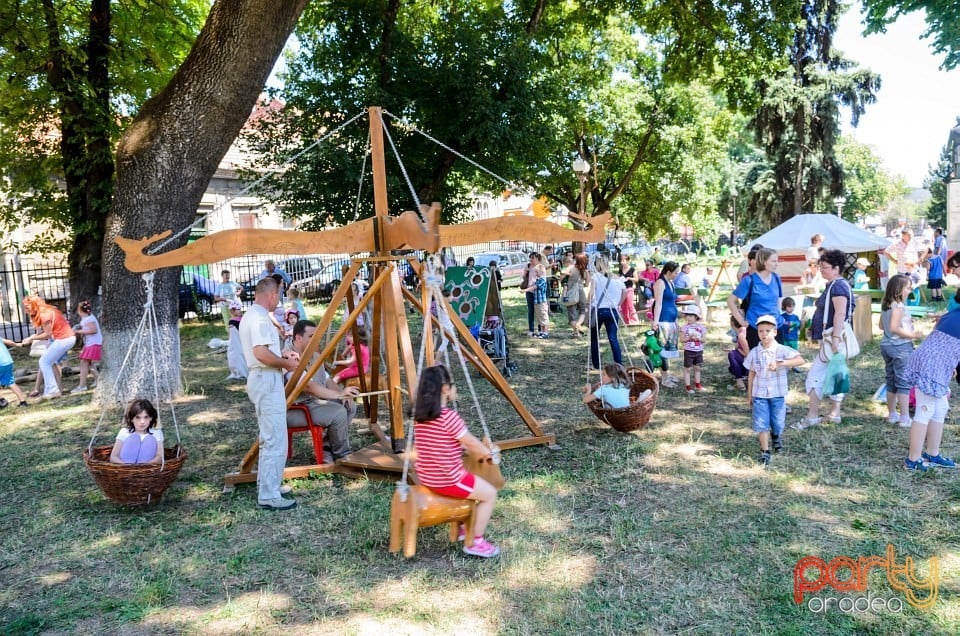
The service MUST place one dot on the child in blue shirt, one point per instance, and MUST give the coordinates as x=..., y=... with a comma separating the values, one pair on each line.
x=614, y=389
x=791, y=326
x=6, y=373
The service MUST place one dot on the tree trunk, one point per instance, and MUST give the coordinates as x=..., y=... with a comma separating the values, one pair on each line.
x=165, y=160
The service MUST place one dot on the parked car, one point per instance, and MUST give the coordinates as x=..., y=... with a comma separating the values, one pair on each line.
x=298, y=268
x=195, y=295
x=322, y=284
x=510, y=263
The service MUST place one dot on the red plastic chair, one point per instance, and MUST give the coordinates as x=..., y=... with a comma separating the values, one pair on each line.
x=316, y=432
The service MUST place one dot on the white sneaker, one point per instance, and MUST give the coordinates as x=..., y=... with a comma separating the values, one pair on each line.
x=893, y=419
x=277, y=504
x=78, y=390
x=905, y=423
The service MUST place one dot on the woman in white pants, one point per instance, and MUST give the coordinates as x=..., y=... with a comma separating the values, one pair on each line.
x=57, y=332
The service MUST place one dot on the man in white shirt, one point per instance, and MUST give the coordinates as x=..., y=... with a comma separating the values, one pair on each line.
x=331, y=406
x=261, y=350
x=900, y=251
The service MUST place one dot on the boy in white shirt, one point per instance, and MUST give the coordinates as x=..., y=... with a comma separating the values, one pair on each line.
x=767, y=385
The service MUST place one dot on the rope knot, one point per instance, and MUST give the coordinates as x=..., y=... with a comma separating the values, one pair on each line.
x=148, y=283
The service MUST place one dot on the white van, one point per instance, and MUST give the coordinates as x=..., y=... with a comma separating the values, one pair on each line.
x=510, y=263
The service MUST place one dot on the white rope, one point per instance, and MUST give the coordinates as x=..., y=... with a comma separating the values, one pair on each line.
x=403, y=488
x=403, y=171
x=436, y=293
x=363, y=173
x=148, y=326
x=406, y=124
x=252, y=185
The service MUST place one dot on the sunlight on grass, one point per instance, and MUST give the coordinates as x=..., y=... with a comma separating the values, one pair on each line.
x=457, y=605
x=531, y=511
x=54, y=578
x=247, y=612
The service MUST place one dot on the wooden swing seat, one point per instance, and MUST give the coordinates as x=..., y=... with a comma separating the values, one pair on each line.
x=637, y=415
x=133, y=484
x=424, y=508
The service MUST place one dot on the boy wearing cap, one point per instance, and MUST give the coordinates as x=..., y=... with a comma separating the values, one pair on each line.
x=860, y=278
x=767, y=385
x=692, y=335
x=235, y=360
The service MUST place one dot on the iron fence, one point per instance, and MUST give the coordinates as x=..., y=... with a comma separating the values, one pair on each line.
x=317, y=276
x=50, y=281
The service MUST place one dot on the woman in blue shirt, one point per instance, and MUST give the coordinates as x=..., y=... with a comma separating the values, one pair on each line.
x=762, y=292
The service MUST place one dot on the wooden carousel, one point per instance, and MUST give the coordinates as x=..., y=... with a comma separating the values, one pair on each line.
x=383, y=237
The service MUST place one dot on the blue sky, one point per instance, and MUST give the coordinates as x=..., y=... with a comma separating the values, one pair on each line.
x=917, y=104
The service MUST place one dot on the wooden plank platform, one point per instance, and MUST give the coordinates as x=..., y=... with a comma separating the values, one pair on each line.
x=375, y=457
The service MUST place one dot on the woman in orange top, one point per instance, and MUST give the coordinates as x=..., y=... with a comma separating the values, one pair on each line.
x=60, y=338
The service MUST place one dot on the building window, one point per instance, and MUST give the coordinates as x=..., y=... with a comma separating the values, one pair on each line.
x=248, y=219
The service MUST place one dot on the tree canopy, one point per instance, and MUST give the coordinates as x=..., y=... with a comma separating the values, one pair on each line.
x=73, y=74
x=942, y=18
x=638, y=90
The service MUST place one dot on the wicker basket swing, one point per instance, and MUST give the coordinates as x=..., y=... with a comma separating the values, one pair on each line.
x=133, y=484
x=136, y=484
x=637, y=415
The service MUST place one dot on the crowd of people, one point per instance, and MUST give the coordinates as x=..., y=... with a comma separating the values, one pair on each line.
x=598, y=294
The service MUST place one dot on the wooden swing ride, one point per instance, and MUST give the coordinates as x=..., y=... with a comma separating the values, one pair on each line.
x=380, y=236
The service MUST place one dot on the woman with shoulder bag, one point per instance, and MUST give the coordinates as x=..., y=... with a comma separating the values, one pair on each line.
x=530, y=275
x=606, y=294
x=665, y=317
x=834, y=308
x=758, y=294
x=578, y=277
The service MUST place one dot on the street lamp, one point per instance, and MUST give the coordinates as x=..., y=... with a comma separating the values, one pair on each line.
x=733, y=230
x=838, y=201
x=582, y=169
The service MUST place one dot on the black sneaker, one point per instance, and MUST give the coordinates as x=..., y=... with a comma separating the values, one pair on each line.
x=23, y=404
x=3, y=403
x=777, y=443
x=765, y=457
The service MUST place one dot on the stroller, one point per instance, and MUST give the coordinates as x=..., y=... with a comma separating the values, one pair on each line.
x=554, y=293
x=492, y=335
x=493, y=339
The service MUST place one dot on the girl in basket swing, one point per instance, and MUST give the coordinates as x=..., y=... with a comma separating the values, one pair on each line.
x=138, y=442
x=440, y=436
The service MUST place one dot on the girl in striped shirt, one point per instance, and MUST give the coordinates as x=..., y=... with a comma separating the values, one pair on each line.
x=441, y=436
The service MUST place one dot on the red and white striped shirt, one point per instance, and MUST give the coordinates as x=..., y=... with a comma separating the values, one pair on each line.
x=439, y=454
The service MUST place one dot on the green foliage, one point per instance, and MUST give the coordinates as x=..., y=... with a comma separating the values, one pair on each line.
x=72, y=76
x=936, y=182
x=942, y=18
x=797, y=122
x=522, y=89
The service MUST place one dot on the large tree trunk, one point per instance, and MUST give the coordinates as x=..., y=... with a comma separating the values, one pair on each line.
x=165, y=160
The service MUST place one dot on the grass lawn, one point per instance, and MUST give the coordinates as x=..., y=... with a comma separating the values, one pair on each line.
x=672, y=529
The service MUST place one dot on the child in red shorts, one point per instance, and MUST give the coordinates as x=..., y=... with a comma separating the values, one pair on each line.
x=441, y=435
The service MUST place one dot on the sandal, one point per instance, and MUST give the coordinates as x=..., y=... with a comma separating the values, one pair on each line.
x=834, y=419
x=806, y=423
x=33, y=394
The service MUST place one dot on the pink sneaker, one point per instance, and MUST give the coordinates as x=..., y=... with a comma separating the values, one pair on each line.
x=482, y=548
x=462, y=534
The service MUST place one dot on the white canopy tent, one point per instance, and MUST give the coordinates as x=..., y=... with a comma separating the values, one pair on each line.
x=792, y=238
